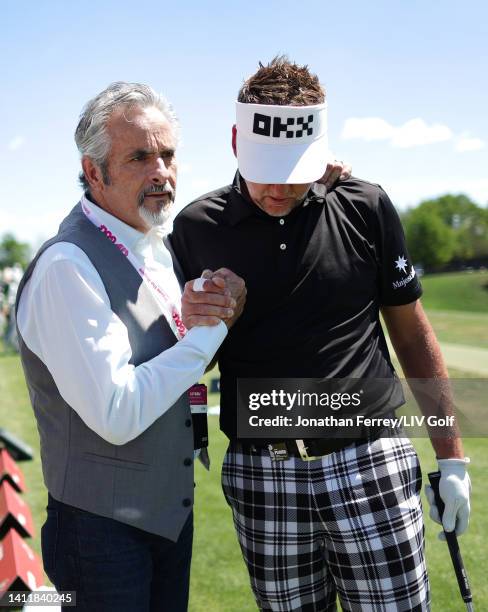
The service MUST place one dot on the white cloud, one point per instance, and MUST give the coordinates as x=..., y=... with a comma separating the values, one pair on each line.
x=465, y=142
x=413, y=133
x=416, y=132
x=15, y=143
x=367, y=128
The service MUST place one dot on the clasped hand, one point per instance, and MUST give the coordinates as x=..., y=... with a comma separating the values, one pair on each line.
x=221, y=298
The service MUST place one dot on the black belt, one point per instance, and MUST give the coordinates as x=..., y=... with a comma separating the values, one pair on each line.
x=305, y=449
x=312, y=448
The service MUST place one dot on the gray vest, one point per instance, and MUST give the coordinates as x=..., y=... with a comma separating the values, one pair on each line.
x=147, y=482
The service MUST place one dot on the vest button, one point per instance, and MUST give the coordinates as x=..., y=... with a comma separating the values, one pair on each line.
x=187, y=502
x=188, y=422
x=187, y=462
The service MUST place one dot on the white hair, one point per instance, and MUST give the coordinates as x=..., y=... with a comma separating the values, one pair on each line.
x=91, y=135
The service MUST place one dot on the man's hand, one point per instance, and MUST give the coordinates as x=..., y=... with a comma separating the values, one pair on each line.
x=336, y=170
x=237, y=287
x=454, y=489
x=219, y=297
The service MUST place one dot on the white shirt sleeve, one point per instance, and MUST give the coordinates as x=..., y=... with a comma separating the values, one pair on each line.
x=65, y=319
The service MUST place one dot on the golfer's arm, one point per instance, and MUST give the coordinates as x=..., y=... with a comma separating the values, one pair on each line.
x=420, y=356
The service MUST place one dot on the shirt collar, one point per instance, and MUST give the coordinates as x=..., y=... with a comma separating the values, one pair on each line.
x=125, y=233
x=148, y=244
x=240, y=206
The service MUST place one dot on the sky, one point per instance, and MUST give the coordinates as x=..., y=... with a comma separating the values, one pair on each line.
x=406, y=85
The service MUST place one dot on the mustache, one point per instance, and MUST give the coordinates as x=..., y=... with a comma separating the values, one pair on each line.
x=166, y=189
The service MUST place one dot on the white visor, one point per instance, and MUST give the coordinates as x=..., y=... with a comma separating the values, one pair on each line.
x=281, y=144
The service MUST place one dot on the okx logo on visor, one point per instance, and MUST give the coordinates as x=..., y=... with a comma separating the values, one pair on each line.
x=281, y=144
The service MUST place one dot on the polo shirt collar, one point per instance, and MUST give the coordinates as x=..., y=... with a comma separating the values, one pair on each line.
x=240, y=206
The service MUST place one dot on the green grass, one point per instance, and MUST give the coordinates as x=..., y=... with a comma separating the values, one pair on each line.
x=464, y=291
x=460, y=327
x=474, y=548
x=457, y=306
x=219, y=579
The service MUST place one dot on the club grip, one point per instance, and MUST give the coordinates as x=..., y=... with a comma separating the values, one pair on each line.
x=452, y=542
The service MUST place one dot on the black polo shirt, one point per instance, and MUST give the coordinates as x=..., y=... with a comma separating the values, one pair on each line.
x=315, y=278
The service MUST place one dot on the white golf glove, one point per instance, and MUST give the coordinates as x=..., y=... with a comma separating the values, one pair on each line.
x=454, y=489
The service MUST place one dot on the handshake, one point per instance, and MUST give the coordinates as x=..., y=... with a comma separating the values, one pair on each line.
x=214, y=297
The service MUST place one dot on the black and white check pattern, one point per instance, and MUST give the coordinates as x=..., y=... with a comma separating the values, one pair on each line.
x=305, y=126
x=348, y=525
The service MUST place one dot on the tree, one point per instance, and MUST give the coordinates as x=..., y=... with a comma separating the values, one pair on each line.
x=12, y=251
x=468, y=221
x=431, y=242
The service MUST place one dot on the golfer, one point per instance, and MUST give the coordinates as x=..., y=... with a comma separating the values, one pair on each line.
x=328, y=518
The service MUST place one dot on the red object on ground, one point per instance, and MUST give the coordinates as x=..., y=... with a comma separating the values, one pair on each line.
x=14, y=512
x=20, y=567
x=10, y=471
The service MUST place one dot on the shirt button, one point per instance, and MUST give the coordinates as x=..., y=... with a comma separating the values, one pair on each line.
x=282, y=246
x=186, y=502
x=282, y=222
x=188, y=422
x=187, y=462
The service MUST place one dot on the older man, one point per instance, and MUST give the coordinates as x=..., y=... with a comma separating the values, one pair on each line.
x=108, y=365
x=318, y=518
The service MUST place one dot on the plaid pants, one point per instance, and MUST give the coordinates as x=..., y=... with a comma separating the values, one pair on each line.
x=349, y=525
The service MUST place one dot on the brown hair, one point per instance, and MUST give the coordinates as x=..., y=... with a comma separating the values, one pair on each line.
x=283, y=83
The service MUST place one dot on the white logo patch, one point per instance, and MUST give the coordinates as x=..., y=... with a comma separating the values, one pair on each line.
x=401, y=264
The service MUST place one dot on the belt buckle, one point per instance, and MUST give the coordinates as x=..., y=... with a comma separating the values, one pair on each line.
x=302, y=449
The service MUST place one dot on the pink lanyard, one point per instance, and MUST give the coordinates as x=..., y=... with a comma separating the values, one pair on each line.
x=176, y=322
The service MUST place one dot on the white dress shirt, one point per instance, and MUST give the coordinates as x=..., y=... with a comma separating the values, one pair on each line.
x=65, y=319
